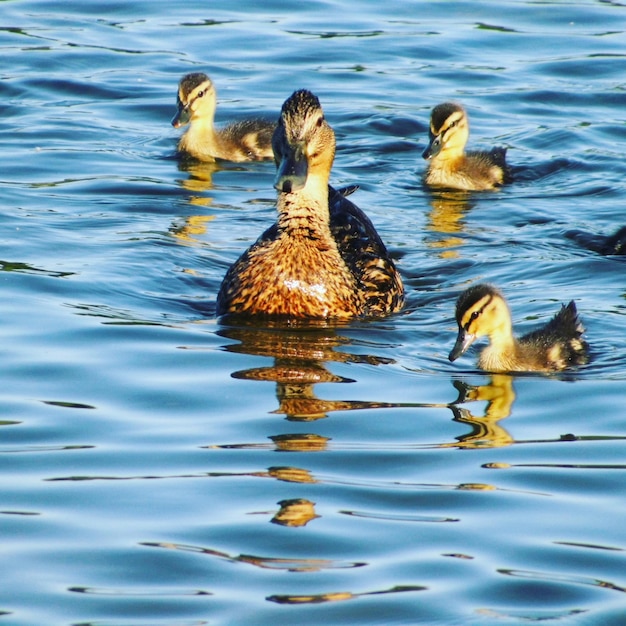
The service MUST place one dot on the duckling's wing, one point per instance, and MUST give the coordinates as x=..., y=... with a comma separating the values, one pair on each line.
x=560, y=339
x=365, y=254
x=498, y=157
x=252, y=136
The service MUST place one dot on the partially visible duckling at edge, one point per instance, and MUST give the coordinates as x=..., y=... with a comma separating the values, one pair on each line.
x=450, y=167
x=614, y=244
x=482, y=310
x=322, y=258
x=247, y=140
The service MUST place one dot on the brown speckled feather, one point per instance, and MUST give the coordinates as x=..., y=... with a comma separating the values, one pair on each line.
x=323, y=258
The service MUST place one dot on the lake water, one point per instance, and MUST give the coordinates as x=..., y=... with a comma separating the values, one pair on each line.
x=159, y=467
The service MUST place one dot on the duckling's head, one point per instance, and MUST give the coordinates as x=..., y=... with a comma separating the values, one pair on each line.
x=480, y=310
x=449, y=131
x=196, y=99
x=303, y=143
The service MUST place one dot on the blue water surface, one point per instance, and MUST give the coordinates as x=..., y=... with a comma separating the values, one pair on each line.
x=161, y=467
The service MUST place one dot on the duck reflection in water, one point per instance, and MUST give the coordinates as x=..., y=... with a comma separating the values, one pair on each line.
x=486, y=430
x=295, y=512
x=299, y=364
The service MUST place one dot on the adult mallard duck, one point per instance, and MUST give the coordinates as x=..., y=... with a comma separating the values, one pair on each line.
x=323, y=257
x=449, y=165
x=247, y=140
x=482, y=310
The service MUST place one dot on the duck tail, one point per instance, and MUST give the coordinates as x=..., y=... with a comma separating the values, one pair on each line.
x=571, y=320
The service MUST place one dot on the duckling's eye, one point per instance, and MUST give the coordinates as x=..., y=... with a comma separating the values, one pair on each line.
x=453, y=124
x=201, y=93
x=473, y=317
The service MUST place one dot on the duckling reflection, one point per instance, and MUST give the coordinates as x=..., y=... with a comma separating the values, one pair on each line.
x=445, y=219
x=486, y=430
x=449, y=165
x=247, y=140
x=299, y=355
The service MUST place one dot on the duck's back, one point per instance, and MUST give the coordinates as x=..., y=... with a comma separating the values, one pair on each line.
x=557, y=345
x=472, y=171
x=248, y=140
x=365, y=254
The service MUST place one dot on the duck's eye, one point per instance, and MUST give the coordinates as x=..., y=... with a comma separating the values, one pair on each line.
x=320, y=121
x=453, y=124
x=201, y=93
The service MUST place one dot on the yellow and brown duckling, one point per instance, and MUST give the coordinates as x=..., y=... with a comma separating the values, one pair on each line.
x=450, y=167
x=322, y=258
x=482, y=310
x=247, y=140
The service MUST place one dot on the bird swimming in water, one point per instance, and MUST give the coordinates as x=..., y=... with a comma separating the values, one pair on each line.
x=247, y=140
x=323, y=257
x=608, y=245
x=449, y=166
x=482, y=310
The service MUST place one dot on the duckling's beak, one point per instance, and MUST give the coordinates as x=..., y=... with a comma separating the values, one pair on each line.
x=463, y=342
x=434, y=147
x=292, y=171
x=182, y=116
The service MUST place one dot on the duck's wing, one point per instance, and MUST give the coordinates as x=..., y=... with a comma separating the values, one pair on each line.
x=365, y=254
x=560, y=340
x=253, y=137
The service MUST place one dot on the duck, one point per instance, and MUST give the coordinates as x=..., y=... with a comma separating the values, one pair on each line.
x=482, y=310
x=608, y=245
x=322, y=258
x=247, y=140
x=450, y=167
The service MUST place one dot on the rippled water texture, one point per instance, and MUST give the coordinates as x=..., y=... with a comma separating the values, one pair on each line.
x=160, y=467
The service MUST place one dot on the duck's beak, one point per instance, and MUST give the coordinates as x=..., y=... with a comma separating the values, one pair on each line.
x=434, y=147
x=463, y=341
x=292, y=170
x=182, y=116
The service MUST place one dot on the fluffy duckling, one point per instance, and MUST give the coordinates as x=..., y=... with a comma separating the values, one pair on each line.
x=322, y=258
x=450, y=166
x=248, y=140
x=481, y=310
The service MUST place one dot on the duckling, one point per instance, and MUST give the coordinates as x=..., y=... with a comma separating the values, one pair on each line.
x=450, y=166
x=614, y=244
x=482, y=310
x=323, y=257
x=248, y=140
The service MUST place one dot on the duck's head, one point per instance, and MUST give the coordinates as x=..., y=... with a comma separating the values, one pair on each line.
x=303, y=143
x=196, y=99
x=449, y=130
x=480, y=310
